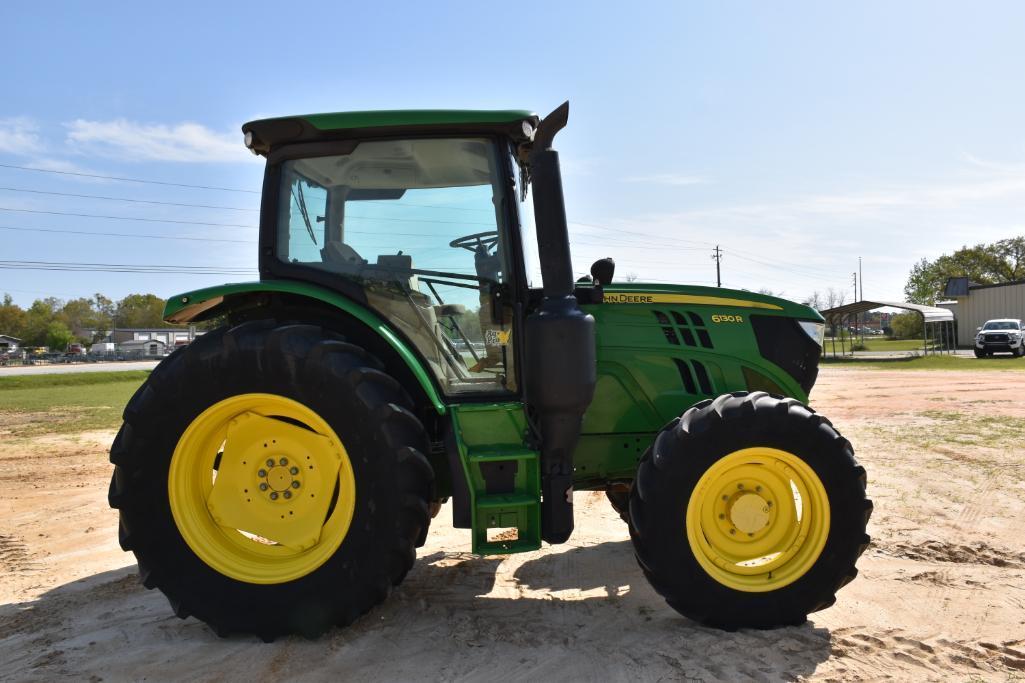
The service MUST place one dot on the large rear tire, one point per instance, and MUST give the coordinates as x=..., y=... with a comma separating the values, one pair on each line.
x=271, y=479
x=749, y=511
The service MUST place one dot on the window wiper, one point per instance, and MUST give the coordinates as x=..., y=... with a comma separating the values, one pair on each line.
x=301, y=201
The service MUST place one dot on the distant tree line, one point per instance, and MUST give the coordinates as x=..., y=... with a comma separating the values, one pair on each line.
x=56, y=323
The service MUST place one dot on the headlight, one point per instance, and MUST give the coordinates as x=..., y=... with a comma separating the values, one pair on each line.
x=817, y=331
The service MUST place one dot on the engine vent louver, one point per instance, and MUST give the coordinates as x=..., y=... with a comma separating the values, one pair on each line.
x=691, y=329
x=703, y=381
x=696, y=381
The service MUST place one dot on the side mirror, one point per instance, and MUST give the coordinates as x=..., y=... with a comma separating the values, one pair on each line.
x=602, y=271
x=978, y=329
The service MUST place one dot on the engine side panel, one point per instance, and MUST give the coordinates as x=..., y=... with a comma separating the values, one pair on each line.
x=662, y=349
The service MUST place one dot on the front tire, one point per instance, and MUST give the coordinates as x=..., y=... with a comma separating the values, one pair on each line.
x=749, y=511
x=271, y=479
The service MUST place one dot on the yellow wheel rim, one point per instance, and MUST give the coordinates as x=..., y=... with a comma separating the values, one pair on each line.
x=758, y=519
x=261, y=488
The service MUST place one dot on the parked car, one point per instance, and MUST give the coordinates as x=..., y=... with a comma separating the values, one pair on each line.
x=1000, y=336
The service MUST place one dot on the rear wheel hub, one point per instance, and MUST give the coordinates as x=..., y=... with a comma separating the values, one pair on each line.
x=281, y=498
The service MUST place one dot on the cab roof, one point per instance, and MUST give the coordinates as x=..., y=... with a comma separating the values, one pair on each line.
x=266, y=134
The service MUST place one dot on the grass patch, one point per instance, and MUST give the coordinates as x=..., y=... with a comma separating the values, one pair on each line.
x=41, y=404
x=1007, y=363
x=76, y=379
x=880, y=344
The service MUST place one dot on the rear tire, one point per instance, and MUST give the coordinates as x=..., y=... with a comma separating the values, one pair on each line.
x=340, y=384
x=749, y=440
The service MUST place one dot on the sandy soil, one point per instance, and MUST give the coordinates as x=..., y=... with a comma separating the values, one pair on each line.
x=941, y=595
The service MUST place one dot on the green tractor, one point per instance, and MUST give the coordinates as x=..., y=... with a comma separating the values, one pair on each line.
x=417, y=336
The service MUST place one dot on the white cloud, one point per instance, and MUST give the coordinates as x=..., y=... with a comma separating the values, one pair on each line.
x=19, y=135
x=809, y=241
x=676, y=179
x=132, y=141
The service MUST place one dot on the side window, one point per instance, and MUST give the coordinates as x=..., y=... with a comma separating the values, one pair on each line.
x=420, y=226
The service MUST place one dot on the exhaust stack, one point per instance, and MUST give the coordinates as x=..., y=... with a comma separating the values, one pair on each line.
x=560, y=342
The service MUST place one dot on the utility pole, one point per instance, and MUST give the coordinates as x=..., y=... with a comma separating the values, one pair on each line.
x=855, y=276
x=861, y=297
x=717, y=255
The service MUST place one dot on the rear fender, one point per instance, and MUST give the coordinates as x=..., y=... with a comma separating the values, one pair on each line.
x=203, y=304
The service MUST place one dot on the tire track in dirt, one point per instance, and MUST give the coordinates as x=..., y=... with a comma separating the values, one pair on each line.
x=940, y=551
x=14, y=556
x=938, y=655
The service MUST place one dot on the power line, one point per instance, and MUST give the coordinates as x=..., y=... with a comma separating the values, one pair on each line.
x=129, y=218
x=124, y=234
x=128, y=180
x=123, y=268
x=126, y=199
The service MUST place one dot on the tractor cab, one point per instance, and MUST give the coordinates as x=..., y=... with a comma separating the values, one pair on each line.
x=423, y=229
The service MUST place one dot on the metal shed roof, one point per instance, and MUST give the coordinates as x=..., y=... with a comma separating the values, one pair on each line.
x=931, y=314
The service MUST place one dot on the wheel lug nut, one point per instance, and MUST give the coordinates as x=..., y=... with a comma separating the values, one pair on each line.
x=263, y=486
x=288, y=494
x=284, y=461
x=725, y=497
x=295, y=484
x=740, y=486
x=733, y=531
x=273, y=495
x=270, y=462
x=262, y=473
x=722, y=516
x=294, y=470
x=768, y=504
x=758, y=489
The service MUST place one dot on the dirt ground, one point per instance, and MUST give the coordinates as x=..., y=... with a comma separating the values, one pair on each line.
x=941, y=595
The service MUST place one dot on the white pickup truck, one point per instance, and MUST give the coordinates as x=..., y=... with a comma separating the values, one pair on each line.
x=1005, y=335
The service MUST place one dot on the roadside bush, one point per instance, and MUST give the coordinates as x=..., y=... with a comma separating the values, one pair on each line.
x=906, y=326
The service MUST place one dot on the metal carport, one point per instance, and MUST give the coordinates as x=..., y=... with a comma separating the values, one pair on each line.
x=941, y=320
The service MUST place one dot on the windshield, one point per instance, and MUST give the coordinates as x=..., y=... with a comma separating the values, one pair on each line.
x=1001, y=325
x=419, y=225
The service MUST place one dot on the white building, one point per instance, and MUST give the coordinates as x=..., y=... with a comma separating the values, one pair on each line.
x=147, y=348
x=9, y=344
x=978, y=303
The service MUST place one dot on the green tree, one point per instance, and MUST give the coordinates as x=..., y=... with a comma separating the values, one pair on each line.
x=104, y=310
x=58, y=336
x=38, y=317
x=80, y=317
x=906, y=325
x=12, y=318
x=985, y=264
x=140, y=310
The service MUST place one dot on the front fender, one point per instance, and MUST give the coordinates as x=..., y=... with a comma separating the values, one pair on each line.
x=200, y=303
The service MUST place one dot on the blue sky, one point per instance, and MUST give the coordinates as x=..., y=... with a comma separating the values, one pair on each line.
x=798, y=136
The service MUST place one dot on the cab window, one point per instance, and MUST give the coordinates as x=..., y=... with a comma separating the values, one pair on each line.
x=419, y=225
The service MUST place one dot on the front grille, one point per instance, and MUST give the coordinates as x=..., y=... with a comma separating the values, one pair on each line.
x=782, y=341
x=998, y=338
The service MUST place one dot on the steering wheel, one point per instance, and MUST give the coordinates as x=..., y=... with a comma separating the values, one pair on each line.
x=486, y=240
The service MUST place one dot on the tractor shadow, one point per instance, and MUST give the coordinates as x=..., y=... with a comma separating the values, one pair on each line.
x=581, y=613
x=588, y=612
